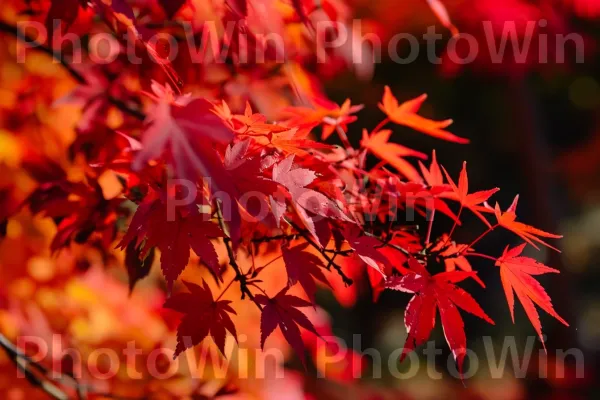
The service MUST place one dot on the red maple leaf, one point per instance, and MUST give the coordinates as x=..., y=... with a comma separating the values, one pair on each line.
x=416, y=195
x=79, y=208
x=507, y=220
x=173, y=236
x=245, y=171
x=308, y=202
x=516, y=274
x=431, y=292
x=282, y=310
x=303, y=267
x=433, y=176
x=461, y=194
x=366, y=248
x=184, y=130
x=203, y=317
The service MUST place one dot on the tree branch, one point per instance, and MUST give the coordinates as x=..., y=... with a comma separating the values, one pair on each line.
x=239, y=275
x=331, y=263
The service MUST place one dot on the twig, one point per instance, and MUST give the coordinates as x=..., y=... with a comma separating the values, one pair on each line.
x=37, y=378
x=348, y=281
x=266, y=239
x=239, y=276
x=390, y=245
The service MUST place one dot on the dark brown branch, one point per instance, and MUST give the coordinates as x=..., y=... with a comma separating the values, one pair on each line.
x=331, y=263
x=239, y=275
x=267, y=239
x=39, y=376
x=386, y=243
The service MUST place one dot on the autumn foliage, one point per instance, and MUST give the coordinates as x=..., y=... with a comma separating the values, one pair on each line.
x=239, y=181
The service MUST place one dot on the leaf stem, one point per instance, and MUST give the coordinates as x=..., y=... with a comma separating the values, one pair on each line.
x=429, y=227
x=482, y=256
x=344, y=138
x=474, y=242
x=224, y=290
x=460, y=210
x=380, y=125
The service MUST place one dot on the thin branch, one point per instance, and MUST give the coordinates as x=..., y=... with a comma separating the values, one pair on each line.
x=266, y=239
x=39, y=376
x=239, y=275
x=331, y=263
x=386, y=243
x=36, y=376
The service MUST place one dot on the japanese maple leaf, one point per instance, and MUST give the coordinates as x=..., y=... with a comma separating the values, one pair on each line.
x=406, y=114
x=245, y=172
x=414, y=194
x=507, y=220
x=304, y=268
x=249, y=123
x=431, y=292
x=308, y=202
x=174, y=237
x=367, y=249
x=80, y=209
x=324, y=112
x=392, y=153
x=245, y=169
x=282, y=310
x=470, y=201
x=294, y=141
x=203, y=317
x=184, y=130
x=516, y=274
x=433, y=176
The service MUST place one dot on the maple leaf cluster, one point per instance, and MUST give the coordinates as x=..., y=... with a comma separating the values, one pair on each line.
x=208, y=180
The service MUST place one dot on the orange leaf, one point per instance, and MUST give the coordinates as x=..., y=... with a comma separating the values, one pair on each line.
x=530, y=234
x=392, y=153
x=406, y=114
